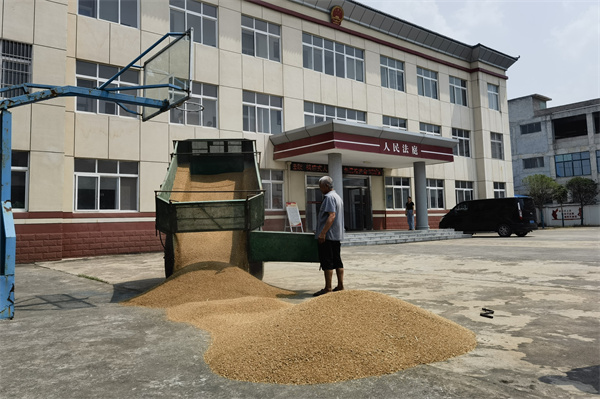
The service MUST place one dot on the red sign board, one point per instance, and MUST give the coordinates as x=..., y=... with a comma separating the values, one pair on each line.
x=347, y=170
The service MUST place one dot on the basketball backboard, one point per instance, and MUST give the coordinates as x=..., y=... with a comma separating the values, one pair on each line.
x=170, y=70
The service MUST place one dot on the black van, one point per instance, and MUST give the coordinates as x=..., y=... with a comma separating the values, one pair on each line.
x=503, y=215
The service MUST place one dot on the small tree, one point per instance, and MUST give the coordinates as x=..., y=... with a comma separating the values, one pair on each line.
x=561, y=195
x=583, y=192
x=540, y=188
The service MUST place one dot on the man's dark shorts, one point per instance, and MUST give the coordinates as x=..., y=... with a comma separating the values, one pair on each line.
x=330, y=255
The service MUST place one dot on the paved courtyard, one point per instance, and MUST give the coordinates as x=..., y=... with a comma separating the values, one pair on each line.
x=71, y=339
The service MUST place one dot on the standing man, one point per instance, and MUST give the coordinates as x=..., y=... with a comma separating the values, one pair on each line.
x=410, y=213
x=330, y=232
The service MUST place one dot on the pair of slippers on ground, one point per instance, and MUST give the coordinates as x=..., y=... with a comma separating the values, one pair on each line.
x=324, y=291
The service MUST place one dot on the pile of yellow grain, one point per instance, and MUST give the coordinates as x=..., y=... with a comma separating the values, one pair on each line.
x=334, y=337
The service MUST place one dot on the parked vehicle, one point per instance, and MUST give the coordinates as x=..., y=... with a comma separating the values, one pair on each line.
x=503, y=215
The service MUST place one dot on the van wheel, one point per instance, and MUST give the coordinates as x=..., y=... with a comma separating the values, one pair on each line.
x=504, y=230
x=522, y=233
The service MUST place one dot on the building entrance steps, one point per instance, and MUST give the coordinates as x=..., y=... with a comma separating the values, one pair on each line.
x=380, y=237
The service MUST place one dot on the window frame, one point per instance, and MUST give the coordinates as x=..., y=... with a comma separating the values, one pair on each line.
x=458, y=91
x=14, y=169
x=203, y=16
x=256, y=32
x=499, y=189
x=394, y=185
x=463, y=148
x=497, y=145
x=464, y=189
x=259, y=106
x=331, y=112
x=428, y=128
x=340, y=55
x=533, y=163
x=196, y=100
x=391, y=70
x=270, y=181
x=20, y=58
x=493, y=96
x=427, y=83
x=98, y=185
x=97, y=10
x=437, y=186
x=571, y=162
x=531, y=128
x=394, y=123
x=97, y=81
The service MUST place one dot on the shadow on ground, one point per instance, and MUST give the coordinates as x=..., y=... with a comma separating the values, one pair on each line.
x=129, y=289
x=582, y=378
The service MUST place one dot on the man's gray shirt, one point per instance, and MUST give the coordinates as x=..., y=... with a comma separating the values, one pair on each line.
x=332, y=202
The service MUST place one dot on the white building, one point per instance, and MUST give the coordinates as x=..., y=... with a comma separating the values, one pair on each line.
x=398, y=98
x=560, y=142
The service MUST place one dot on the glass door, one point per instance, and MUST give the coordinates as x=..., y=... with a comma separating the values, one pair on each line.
x=357, y=204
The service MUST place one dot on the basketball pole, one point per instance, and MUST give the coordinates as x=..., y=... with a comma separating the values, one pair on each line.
x=8, y=237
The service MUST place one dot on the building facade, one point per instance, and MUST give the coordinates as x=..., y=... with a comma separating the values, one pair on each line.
x=560, y=142
x=386, y=107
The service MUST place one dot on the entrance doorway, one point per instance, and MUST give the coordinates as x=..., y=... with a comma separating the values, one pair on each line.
x=357, y=203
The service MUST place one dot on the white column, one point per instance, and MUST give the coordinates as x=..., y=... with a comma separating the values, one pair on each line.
x=335, y=172
x=421, y=196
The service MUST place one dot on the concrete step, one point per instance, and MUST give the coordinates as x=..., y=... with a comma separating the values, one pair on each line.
x=400, y=236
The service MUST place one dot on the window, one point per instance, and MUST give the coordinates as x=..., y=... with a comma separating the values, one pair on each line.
x=262, y=113
x=332, y=58
x=596, y=118
x=315, y=113
x=272, y=182
x=458, y=91
x=19, y=175
x=185, y=14
x=397, y=191
x=531, y=128
x=499, y=190
x=397, y=123
x=427, y=82
x=497, y=146
x=392, y=73
x=463, y=148
x=92, y=75
x=569, y=127
x=16, y=66
x=435, y=194
x=124, y=12
x=189, y=112
x=574, y=164
x=429, y=129
x=464, y=191
x=261, y=39
x=533, y=163
x=102, y=185
x=493, y=98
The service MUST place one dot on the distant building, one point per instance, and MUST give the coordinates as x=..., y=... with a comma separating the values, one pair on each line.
x=561, y=142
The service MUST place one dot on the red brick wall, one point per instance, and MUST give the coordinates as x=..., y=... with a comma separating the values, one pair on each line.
x=55, y=241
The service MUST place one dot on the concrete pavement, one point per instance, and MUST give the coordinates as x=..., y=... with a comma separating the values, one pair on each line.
x=71, y=339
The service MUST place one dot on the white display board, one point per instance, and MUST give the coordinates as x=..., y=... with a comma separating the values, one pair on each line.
x=293, y=215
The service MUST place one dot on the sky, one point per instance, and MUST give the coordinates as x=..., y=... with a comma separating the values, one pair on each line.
x=558, y=42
